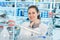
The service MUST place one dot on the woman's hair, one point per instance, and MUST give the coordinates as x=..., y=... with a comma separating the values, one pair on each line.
x=37, y=10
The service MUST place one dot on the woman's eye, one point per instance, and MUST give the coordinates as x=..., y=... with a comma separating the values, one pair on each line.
x=33, y=12
x=29, y=13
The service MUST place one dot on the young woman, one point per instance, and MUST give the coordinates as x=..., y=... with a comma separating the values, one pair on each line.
x=34, y=28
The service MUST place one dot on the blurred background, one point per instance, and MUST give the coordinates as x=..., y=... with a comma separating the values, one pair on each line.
x=16, y=10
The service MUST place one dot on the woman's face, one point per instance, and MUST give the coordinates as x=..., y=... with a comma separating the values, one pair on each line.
x=32, y=14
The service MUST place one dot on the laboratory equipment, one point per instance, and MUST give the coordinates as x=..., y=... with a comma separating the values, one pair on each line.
x=13, y=30
x=16, y=32
x=10, y=31
x=1, y=28
x=7, y=4
x=10, y=28
x=57, y=21
x=2, y=20
x=11, y=23
x=22, y=12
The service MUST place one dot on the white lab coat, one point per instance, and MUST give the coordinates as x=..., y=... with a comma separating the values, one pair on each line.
x=25, y=33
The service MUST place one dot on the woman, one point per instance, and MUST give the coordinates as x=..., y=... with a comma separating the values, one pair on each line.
x=33, y=29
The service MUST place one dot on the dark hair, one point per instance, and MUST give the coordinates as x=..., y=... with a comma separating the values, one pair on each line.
x=37, y=10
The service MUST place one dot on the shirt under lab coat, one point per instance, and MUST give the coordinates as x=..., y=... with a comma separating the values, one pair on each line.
x=27, y=33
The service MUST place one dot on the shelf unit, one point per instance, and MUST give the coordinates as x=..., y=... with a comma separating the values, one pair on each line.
x=8, y=7
x=46, y=5
x=20, y=7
